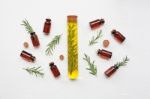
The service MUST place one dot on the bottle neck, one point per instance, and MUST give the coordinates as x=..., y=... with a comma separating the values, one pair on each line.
x=33, y=58
x=51, y=64
x=116, y=67
x=113, y=32
x=98, y=52
x=48, y=20
x=102, y=21
x=33, y=33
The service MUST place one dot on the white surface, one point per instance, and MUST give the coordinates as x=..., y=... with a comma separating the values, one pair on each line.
x=131, y=17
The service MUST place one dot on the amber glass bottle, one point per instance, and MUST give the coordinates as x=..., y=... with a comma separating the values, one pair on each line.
x=116, y=66
x=96, y=23
x=27, y=56
x=34, y=37
x=54, y=69
x=35, y=40
x=111, y=71
x=104, y=54
x=47, y=26
x=118, y=36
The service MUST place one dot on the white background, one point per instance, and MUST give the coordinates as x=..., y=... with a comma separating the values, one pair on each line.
x=130, y=17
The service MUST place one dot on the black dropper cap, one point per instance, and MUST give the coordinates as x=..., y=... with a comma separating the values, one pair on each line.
x=51, y=64
x=32, y=33
x=48, y=20
x=113, y=31
x=102, y=21
x=98, y=51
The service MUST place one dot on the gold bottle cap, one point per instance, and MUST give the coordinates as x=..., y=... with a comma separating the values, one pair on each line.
x=72, y=18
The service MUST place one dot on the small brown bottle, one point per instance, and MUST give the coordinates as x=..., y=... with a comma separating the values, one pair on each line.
x=111, y=71
x=29, y=29
x=96, y=23
x=35, y=40
x=47, y=26
x=118, y=36
x=116, y=66
x=27, y=56
x=54, y=69
x=104, y=54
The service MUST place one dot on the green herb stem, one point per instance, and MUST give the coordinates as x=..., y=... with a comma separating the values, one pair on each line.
x=92, y=68
x=122, y=63
x=34, y=70
x=52, y=44
x=27, y=26
x=94, y=40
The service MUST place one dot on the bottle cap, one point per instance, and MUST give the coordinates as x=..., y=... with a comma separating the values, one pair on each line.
x=51, y=64
x=33, y=58
x=113, y=31
x=102, y=21
x=72, y=18
x=32, y=33
x=48, y=20
x=98, y=51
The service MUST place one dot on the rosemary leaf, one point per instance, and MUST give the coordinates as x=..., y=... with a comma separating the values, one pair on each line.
x=92, y=67
x=34, y=71
x=94, y=39
x=52, y=44
x=123, y=62
x=27, y=26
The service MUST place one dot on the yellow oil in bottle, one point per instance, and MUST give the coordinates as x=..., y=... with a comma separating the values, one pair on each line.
x=72, y=47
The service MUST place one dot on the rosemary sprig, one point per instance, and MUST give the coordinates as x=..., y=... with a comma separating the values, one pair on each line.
x=94, y=39
x=122, y=63
x=92, y=67
x=28, y=27
x=34, y=70
x=52, y=44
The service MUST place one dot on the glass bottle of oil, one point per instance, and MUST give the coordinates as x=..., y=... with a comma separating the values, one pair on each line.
x=72, y=47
